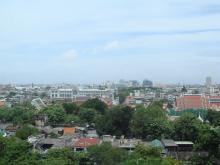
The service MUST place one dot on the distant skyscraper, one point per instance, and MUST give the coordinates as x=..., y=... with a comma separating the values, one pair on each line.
x=208, y=81
x=147, y=83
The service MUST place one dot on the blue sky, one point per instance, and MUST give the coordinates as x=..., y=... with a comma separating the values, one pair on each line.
x=54, y=41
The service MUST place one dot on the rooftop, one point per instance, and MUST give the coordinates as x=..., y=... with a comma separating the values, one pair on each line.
x=169, y=143
x=86, y=142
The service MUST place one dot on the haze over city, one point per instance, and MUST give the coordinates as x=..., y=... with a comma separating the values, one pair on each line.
x=92, y=41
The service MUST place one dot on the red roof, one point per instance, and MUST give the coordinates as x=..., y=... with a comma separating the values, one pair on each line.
x=67, y=131
x=86, y=142
x=217, y=97
x=192, y=101
x=2, y=103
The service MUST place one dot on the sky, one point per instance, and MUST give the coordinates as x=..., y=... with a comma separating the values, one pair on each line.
x=91, y=41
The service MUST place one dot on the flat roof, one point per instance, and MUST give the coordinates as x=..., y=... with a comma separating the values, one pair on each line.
x=169, y=143
x=184, y=142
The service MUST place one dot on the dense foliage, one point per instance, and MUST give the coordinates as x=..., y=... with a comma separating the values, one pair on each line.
x=17, y=114
x=145, y=123
x=24, y=132
x=18, y=152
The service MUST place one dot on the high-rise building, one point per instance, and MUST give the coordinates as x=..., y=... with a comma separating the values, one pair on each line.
x=147, y=83
x=208, y=81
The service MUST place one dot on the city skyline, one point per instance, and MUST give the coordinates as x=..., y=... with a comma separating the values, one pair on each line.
x=74, y=42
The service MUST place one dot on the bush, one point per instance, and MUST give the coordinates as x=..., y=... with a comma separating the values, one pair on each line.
x=26, y=131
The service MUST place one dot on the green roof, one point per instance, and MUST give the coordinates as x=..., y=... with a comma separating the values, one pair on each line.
x=156, y=143
x=2, y=133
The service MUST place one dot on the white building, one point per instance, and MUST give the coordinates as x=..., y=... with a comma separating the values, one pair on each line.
x=70, y=94
x=95, y=92
x=38, y=103
x=62, y=94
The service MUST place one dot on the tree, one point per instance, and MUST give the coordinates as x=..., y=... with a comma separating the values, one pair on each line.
x=15, y=151
x=150, y=123
x=63, y=156
x=105, y=154
x=149, y=155
x=213, y=117
x=87, y=115
x=116, y=121
x=145, y=152
x=96, y=104
x=17, y=114
x=209, y=141
x=55, y=113
x=24, y=132
x=70, y=108
x=187, y=127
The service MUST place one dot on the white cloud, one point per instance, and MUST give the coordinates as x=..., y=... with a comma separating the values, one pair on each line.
x=111, y=45
x=68, y=57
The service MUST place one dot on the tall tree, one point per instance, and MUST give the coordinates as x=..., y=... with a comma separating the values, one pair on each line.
x=116, y=121
x=105, y=154
x=70, y=108
x=55, y=113
x=150, y=123
x=187, y=127
x=95, y=104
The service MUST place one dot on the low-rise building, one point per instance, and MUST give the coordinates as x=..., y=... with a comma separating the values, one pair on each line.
x=61, y=94
x=82, y=144
x=38, y=103
x=197, y=101
x=191, y=101
x=2, y=103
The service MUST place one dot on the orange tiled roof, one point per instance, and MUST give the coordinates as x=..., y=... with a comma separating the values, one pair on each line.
x=86, y=142
x=67, y=130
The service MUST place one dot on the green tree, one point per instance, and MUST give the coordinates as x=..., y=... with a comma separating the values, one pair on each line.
x=187, y=127
x=145, y=152
x=24, y=132
x=95, y=104
x=17, y=114
x=55, y=113
x=105, y=154
x=14, y=151
x=87, y=115
x=70, y=108
x=150, y=123
x=63, y=156
x=213, y=117
x=116, y=121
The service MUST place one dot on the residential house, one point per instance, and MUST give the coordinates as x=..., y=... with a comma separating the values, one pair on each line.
x=82, y=144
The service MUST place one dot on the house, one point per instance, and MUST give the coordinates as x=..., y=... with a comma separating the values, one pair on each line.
x=108, y=138
x=2, y=103
x=38, y=103
x=79, y=100
x=11, y=129
x=40, y=120
x=169, y=145
x=192, y=101
x=126, y=144
x=69, y=131
x=181, y=150
x=185, y=146
x=156, y=143
x=83, y=143
x=214, y=102
x=107, y=100
x=91, y=133
x=51, y=143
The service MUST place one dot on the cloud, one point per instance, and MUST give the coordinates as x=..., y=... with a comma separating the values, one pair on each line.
x=111, y=46
x=68, y=57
